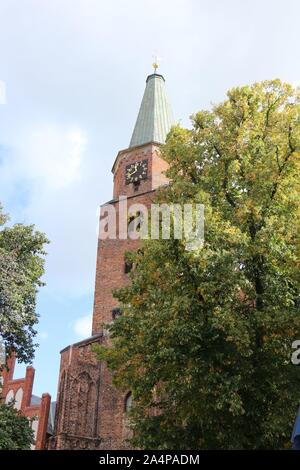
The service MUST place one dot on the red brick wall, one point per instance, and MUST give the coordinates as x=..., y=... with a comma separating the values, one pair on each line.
x=110, y=267
x=90, y=412
x=110, y=253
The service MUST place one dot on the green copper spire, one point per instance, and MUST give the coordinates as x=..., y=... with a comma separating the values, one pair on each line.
x=155, y=116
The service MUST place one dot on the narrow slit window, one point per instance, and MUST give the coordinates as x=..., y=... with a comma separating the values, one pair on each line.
x=116, y=312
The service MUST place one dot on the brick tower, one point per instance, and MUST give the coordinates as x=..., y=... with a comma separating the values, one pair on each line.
x=90, y=413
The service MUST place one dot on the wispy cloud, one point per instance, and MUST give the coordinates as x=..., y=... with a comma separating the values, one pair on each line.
x=83, y=326
x=2, y=92
x=47, y=168
x=73, y=97
x=51, y=157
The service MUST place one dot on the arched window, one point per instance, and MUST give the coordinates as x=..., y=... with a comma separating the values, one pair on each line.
x=18, y=398
x=34, y=426
x=128, y=402
x=9, y=397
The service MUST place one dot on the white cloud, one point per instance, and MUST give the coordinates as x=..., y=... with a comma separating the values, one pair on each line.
x=52, y=164
x=73, y=98
x=83, y=326
x=2, y=92
x=52, y=156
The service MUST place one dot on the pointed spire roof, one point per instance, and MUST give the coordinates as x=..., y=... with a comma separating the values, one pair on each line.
x=155, y=116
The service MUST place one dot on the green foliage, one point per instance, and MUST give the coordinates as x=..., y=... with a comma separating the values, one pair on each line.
x=21, y=267
x=15, y=430
x=204, y=342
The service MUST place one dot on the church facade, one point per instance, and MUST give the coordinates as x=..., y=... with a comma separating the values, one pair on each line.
x=90, y=412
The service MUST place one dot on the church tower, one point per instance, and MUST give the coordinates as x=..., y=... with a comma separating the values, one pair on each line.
x=90, y=413
x=138, y=171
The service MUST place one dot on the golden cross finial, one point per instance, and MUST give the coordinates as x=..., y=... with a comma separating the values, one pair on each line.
x=155, y=64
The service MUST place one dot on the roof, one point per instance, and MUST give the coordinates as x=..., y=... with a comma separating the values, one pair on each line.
x=35, y=400
x=155, y=116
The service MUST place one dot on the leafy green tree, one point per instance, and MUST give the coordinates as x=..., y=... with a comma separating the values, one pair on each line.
x=205, y=339
x=21, y=267
x=15, y=430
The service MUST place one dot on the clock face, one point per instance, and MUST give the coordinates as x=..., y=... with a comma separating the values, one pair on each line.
x=137, y=171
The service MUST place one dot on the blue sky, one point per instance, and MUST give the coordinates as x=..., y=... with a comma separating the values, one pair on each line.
x=74, y=72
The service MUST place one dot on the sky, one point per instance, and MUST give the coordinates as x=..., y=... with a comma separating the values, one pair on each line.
x=74, y=72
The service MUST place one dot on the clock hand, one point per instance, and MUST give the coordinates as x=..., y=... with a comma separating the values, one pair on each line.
x=132, y=173
x=129, y=175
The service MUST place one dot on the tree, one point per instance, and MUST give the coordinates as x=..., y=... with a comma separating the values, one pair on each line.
x=205, y=339
x=15, y=430
x=21, y=267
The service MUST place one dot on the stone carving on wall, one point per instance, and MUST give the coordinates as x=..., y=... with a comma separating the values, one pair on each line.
x=81, y=409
